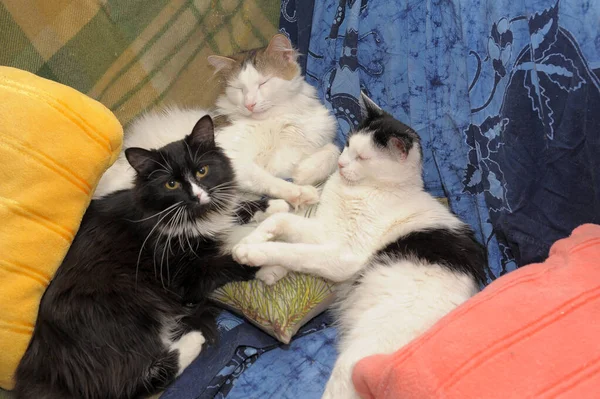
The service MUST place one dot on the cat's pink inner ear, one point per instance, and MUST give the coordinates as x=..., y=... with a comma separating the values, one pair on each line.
x=398, y=147
x=281, y=45
x=221, y=63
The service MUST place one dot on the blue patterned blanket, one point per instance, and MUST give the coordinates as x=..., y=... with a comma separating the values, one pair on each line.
x=506, y=97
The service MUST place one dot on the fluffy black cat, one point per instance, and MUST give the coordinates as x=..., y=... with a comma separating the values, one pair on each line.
x=127, y=311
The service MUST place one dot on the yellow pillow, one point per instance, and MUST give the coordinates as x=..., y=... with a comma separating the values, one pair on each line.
x=55, y=143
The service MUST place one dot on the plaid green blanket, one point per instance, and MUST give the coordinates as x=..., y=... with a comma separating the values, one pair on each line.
x=132, y=55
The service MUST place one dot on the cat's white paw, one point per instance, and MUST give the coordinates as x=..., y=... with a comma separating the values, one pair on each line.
x=249, y=255
x=258, y=236
x=309, y=195
x=274, y=206
x=189, y=347
x=271, y=274
x=298, y=196
x=277, y=206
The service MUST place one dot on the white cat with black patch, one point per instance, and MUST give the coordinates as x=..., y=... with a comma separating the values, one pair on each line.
x=278, y=129
x=404, y=260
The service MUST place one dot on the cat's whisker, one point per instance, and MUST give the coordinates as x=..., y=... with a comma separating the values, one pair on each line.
x=221, y=206
x=203, y=154
x=147, y=237
x=225, y=196
x=189, y=150
x=158, y=171
x=168, y=167
x=164, y=167
x=186, y=234
x=225, y=191
x=182, y=224
x=224, y=186
x=176, y=225
x=156, y=214
x=158, y=246
x=167, y=246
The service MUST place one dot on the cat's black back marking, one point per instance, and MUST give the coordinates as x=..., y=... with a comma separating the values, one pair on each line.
x=455, y=249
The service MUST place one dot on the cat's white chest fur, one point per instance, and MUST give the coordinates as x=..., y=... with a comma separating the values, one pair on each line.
x=346, y=210
x=276, y=145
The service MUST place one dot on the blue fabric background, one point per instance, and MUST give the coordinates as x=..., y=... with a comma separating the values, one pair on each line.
x=506, y=97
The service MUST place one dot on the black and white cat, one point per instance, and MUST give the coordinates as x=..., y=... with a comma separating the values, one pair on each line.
x=404, y=260
x=127, y=311
x=278, y=128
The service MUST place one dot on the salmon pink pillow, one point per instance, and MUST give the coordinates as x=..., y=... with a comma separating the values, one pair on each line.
x=534, y=333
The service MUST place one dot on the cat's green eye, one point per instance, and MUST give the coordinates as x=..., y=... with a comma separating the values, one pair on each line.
x=203, y=171
x=172, y=184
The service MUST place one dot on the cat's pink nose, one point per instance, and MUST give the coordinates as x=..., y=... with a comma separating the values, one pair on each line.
x=340, y=165
x=250, y=106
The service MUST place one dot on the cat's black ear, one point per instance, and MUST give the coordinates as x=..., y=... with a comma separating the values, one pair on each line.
x=203, y=133
x=280, y=46
x=140, y=159
x=368, y=107
x=221, y=63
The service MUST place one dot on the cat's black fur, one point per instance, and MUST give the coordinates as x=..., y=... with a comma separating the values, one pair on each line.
x=98, y=331
x=456, y=250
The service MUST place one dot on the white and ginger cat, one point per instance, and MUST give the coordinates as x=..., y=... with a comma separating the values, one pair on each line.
x=402, y=258
x=276, y=127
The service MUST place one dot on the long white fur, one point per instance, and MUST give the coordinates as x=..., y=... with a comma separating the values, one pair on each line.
x=289, y=135
x=376, y=197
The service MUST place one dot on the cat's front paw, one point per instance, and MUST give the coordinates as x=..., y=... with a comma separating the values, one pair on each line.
x=309, y=195
x=271, y=274
x=274, y=206
x=248, y=255
x=258, y=236
x=189, y=347
x=277, y=206
x=298, y=196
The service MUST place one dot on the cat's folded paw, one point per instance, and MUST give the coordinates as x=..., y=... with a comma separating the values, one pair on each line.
x=277, y=206
x=258, y=236
x=298, y=196
x=309, y=195
x=271, y=274
x=248, y=255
